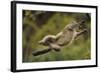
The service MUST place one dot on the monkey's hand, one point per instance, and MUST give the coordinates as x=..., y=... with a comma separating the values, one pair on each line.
x=81, y=32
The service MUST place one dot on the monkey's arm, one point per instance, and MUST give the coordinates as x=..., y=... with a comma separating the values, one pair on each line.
x=40, y=52
x=80, y=33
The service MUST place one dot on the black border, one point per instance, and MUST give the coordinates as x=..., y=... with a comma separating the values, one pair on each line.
x=13, y=35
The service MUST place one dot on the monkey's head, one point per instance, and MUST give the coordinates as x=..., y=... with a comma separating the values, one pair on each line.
x=46, y=40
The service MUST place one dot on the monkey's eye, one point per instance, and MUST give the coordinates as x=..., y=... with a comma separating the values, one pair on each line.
x=70, y=29
x=50, y=40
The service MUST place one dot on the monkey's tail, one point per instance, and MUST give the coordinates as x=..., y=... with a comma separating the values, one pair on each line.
x=40, y=52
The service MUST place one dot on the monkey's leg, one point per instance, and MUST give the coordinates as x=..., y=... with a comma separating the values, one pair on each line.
x=40, y=52
x=80, y=33
x=55, y=47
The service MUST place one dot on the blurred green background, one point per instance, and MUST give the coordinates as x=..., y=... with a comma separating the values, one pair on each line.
x=37, y=24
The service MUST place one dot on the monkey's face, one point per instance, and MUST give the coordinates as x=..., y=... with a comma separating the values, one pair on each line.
x=46, y=41
x=42, y=42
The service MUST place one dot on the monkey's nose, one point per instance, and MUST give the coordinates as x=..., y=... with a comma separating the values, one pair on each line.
x=40, y=42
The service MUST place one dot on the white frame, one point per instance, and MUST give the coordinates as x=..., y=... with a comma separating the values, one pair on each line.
x=19, y=6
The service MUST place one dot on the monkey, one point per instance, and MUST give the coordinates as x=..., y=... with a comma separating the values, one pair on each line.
x=65, y=37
